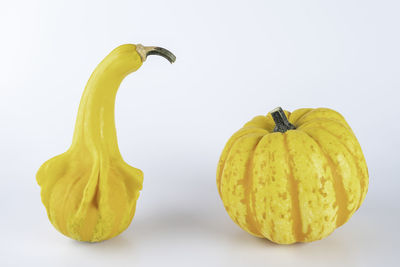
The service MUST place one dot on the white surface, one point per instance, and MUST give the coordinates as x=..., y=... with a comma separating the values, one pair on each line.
x=235, y=61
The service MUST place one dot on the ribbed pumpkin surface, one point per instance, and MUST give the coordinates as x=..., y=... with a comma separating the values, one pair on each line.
x=297, y=186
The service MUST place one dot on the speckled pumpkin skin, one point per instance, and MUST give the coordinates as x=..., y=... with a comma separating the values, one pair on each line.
x=297, y=186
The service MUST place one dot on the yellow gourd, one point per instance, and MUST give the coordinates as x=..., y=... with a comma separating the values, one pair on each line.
x=89, y=191
x=293, y=177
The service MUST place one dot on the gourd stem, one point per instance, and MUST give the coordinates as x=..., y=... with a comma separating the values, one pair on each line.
x=282, y=123
x=145, y=51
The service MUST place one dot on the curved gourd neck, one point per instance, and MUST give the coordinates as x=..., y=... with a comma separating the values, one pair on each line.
x=95, y=125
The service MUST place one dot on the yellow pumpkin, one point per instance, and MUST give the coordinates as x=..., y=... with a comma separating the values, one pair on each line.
x=293, y=177
x=89, y=191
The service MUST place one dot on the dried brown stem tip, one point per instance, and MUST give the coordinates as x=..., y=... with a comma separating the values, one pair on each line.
x=145, y=51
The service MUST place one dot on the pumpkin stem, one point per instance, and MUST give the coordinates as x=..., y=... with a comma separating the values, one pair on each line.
x=282, y=123
x=145, y=51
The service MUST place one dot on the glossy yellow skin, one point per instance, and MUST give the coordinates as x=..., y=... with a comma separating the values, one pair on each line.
x=89, y=192
x=297, y=186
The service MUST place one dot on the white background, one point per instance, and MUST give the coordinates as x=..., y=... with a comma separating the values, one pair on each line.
x=236, y=59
